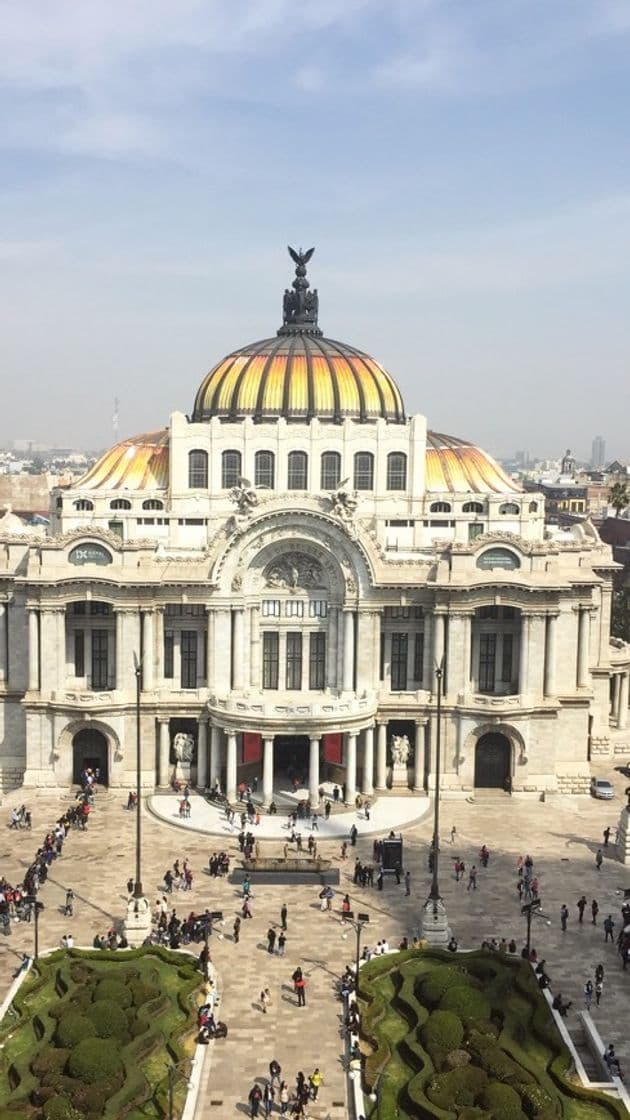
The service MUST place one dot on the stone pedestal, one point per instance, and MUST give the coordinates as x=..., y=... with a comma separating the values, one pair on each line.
x=138, y=922
x=435, y=928
x=623, y=837
x=182, y=773
x=400, y=775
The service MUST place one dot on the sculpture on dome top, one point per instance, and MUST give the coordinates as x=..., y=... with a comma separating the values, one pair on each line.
x=300, y=307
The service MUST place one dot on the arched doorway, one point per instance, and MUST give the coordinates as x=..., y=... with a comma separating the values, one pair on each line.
x=492, y=761
x=89, y=749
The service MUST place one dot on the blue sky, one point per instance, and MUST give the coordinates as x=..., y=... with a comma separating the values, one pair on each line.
x=462, y=167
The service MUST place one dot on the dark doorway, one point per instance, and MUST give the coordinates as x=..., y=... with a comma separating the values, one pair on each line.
x=291, y=756
x=89, y=751
x=492, y=761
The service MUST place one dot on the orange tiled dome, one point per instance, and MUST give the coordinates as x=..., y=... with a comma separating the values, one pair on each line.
x=456, y=465
x=138, y=463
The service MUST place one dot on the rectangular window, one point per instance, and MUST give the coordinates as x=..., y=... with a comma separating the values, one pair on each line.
x=271, y=653
x=418, y=657
x=100, y=608
x=100, y=659
x=294, y=660
x=271, y=608
x=185, y=610
x=188, y=641
x=317, y=661
x=78, y=608
x=506, y=658
x=475, y=529
x=169, y=658
x=487, y=661
x=79, y=653
x=318, y=608
x=116, y=527
x=399, y=662
x=294, y=608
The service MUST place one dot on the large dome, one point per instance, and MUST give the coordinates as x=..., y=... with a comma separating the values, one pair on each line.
x=299, y=374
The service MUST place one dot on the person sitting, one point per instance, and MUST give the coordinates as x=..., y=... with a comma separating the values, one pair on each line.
x=559, y=1006
x=452, y=945
x=273, y=808
x=611, y=1060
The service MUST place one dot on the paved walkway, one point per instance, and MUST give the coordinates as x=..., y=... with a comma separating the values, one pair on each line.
x=385, y=813
x=562, y=840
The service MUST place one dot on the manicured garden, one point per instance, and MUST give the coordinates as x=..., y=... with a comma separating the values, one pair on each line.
x=466, y=1037
x=91, y=1034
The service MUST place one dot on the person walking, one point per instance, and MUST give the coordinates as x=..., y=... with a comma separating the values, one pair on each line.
x=581, y=905
x=588, y=994
x=299, y=985
x=315, y=1082
x=564, y=917
x=271, y=939
x=283, y=1098
x=606, y=835
x=246, y=909
x=284, y=913
x=68, y=909
x=599, y=859
x=407, y=883
x=609, y=928
x=265, y=1000
x=599, y=974
x=599, y=987
x=236, y=928
x=281, y=944
x=268, y=1098
x=453, y=834
x=254, y=1098
x=472, y=879
x=594, y=910
x=275, y=1070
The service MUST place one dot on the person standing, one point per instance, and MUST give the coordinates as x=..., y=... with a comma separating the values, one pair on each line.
x=275, y=1070
x=594, y=910
x=284, y=913
x=472, y=879
x=599, y=987
x=564, y=917
x=599, y=859
x=268, y=1096
x=609, y=927
x=254, y=1098
x=281, y=944
x=299, y=985
x=407, y=883
x=283, y=1098
x=271, y=939
x=237, y=929
x=606, y=835
x=588, y=994
x=453, y=834
x=265, y=1000
x=581, y=908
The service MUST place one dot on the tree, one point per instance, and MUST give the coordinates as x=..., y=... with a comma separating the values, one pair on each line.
x=619, y=496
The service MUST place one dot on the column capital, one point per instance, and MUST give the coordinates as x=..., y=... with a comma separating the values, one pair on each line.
x=163, y=719
x=421, y=721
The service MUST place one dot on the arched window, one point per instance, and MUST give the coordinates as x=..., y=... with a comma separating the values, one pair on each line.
x=230, y=469
x=264, y=469
x=533, y=507
x=330, y=470
x=364, y=470
x=498, y=558
x=89, y=553
x=83, y=505
x=440, y=507
x=120, y=503
x=198, y=470
x=297, y=473
x=396, y=471
x=153, y=503
x=472, y=507
x=509, y=508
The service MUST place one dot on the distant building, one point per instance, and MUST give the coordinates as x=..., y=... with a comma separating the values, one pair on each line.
x=598, y=452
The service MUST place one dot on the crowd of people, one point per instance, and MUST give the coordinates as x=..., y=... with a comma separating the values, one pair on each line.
x=275, y=1089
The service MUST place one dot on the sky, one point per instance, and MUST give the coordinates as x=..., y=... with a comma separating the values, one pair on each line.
x=462, y=167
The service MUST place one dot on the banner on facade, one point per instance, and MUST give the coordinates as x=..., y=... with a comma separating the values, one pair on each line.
x=332, y=747
x=252, y=747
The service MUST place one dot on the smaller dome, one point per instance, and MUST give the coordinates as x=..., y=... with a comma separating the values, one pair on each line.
x=458, y=466
x=137, y=463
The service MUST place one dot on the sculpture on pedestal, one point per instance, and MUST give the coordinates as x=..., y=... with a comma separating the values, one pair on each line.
x=400, y=750
x=183, y=747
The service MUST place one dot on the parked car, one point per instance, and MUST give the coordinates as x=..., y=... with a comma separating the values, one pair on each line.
x=624, y=769
x=602, y=788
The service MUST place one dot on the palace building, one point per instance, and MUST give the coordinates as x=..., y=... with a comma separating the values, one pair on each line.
x=279, y=573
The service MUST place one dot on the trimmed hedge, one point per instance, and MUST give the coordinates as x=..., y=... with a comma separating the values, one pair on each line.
x=457, y=1088
x=502, y=1102
x=442, y=1033
x=108, y=1020
x=96, y=1060
x=466, y=1002
x=72, y=1028
x=114, y=991
x=60, y=1108
x=438, y=982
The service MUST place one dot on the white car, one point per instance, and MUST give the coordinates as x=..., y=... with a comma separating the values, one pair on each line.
x=602, y=788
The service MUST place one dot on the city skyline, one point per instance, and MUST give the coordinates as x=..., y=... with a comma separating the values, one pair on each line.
x=463, y=174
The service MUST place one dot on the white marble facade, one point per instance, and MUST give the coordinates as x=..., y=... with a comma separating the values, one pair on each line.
x=272, y=619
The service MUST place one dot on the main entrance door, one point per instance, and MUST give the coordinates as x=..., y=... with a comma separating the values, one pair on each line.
x=89, y=750
x=492, y=761
x=290, y=754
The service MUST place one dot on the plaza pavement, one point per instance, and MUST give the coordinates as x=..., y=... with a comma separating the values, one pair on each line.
x=561, y=836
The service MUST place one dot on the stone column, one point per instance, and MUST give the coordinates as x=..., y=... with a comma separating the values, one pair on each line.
x=381, y=756
x=33, y=649
x=418, y=770
x=164, y=753
x=62, y=654
x=622, y=718
x=230, y=780
x=267, y=783
x=523, y=661
x=426, y=654
x=254, y=648
x=50, y=654
x=614, y=700
x=351, y=767
x=202, y=754
x=120, y=649
x=584, y=628
x=209, y=646
x=148, y=651
x=3, y=642
x=238, y=649
x=348, y=651
x=221, y=651
x=159, y=648
x=551, y=654
x=331, y=648
x=313, y=771
x=438, y=649
x=536, y=663
x=368, y=762
x=215, y=754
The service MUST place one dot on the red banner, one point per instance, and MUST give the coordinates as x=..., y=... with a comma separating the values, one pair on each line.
x=252, y=747
x=333, y=751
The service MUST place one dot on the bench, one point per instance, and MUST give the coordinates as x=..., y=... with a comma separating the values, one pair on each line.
x=595, y=1044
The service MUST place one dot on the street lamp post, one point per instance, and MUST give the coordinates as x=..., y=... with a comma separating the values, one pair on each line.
x=434, y=921
x=174, y=1072
x=358, y=925
x=530, y=908
x=36, y=907
x=137, y=890
x=214, y=916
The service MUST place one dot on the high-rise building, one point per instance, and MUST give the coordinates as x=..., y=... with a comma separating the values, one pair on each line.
x=598, y=452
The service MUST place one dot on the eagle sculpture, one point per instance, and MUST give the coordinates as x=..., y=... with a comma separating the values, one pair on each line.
x=299, y=256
